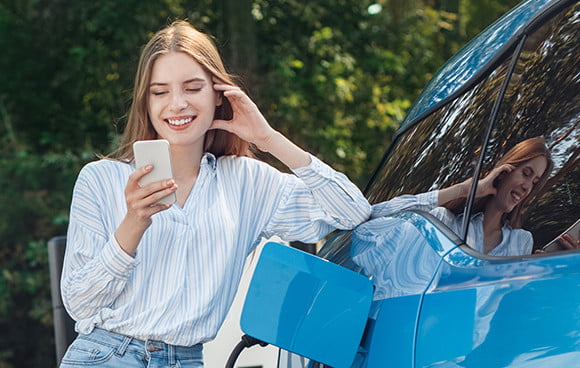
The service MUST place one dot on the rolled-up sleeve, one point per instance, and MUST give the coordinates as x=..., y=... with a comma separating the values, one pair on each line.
x=424, y=201
x=317, y=201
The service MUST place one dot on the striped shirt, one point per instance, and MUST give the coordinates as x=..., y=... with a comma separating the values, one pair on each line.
x=514, y=242
x=184, y=276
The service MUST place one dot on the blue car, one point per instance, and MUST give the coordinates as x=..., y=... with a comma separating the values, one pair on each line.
x=431, y=295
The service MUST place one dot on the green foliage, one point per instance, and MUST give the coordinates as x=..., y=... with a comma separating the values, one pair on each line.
x=34, y=200
x=341, y=85
x=338, y=85
x=477, y=15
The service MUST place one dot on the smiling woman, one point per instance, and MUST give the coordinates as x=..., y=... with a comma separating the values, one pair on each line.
x=149, y=283
x=182, y=101
x=495, y=227
x=169, y=48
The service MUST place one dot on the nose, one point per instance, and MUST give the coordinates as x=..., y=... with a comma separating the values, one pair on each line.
x=178, y=101
x=527, y=186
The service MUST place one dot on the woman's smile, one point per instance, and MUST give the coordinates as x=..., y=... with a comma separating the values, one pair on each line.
x=180, y=123
x=518, y=184
x=516, y=196
x=182, y=100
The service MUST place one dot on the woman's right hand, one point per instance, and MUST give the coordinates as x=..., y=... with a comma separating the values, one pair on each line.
x=141, y=206
x=486, y=186
x=142, y=201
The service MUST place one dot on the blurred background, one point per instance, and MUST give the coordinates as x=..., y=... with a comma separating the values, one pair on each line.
x=337, y=76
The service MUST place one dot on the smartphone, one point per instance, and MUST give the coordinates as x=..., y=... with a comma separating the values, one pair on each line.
x=156, y=153
x=555, y=245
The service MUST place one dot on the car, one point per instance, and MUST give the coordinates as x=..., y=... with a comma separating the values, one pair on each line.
x=436, y=300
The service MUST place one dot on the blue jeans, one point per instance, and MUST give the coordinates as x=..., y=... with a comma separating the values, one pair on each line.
x=106, y=349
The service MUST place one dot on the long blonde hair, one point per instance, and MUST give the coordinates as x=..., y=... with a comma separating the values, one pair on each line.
x=180, y=36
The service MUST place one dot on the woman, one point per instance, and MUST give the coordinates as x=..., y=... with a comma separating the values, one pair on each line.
x=150, y=283
x=495, y=228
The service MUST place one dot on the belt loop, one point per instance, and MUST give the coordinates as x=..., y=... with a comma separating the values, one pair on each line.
x=171, y=354
x=123, y=347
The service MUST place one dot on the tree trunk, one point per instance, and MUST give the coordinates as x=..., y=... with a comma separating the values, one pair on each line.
x=239, y=38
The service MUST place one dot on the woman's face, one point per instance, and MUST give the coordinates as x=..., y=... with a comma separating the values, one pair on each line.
x=182, y=100
x=517, y=184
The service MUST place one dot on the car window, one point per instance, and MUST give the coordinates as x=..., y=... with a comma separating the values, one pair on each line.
x=542, y=100
x=443, y=148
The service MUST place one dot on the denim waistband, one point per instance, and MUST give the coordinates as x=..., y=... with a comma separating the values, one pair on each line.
x=151, y=348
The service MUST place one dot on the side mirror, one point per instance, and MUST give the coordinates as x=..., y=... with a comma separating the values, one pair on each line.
x=307, y=305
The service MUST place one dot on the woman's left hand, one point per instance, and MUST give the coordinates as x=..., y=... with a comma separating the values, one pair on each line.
x=569, y=242
x=247, y=122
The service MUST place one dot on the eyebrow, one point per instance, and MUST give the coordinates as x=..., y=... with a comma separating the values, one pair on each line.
x=196, y=79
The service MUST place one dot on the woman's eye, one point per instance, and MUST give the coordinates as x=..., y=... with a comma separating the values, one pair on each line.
x=193, y=89
x=526, y=172
x=158, y=93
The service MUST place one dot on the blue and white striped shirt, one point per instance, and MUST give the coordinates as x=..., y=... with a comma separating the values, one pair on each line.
x=182, y=281
x=514, y=242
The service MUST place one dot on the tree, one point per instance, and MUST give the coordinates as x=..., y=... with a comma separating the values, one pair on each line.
x=338, y=85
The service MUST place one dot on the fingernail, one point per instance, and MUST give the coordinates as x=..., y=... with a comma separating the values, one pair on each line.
x=149, y=167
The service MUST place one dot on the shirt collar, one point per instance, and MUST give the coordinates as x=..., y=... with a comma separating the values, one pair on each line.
x=479, y=217
x=209, y=160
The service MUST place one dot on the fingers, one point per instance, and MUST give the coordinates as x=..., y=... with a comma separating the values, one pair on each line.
x=489, y=184
x=224, y=87
x=234, y=94
x=247, y=122
x=136, y=176
x=235, y=97
x=502, y=170
x=142, y=201
x=507, y=168
x=569, y=241
x=239, y=100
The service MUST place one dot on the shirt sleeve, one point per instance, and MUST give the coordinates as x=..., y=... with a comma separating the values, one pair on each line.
x=317, y=201
x=424, y=201
x=95, y=269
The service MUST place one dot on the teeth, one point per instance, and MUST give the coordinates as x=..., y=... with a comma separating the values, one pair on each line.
x=179, y=122
x=517, y=197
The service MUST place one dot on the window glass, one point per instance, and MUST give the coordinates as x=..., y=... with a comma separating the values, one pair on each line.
x=542, y=100
x=441, y=149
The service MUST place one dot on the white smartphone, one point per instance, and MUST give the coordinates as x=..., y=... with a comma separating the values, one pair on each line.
x=156, y=153
x=555, y=244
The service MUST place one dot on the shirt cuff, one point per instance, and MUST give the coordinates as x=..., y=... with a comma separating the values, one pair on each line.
x=429, y=199
x=116, y=261
x=316, y=174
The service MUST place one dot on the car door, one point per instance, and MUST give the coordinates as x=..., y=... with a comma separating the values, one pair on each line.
x=501, y=313
x=483, y=311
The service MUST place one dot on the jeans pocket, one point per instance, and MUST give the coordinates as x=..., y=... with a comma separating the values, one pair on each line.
x=83, y=353
x=190, y=363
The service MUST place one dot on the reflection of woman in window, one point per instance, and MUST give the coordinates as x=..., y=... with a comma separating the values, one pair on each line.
x=495, y=226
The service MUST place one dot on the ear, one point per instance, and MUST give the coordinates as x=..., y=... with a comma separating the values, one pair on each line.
x=219, y=98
